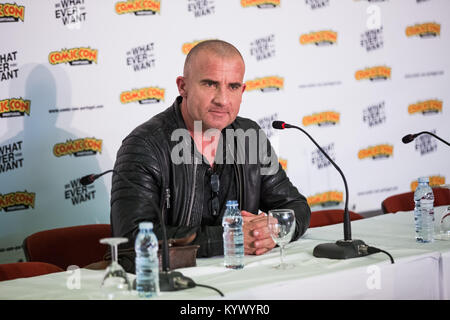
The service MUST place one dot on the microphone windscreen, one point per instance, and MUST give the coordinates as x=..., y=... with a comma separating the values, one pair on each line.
x=278, y=124
x=408, y=138
x=87, y=180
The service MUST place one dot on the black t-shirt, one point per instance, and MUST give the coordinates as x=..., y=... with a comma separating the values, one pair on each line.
x=227, y=189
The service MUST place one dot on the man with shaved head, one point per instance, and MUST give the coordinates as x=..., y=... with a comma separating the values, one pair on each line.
x=193, y=152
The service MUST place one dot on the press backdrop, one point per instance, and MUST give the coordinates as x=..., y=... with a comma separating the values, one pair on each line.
x=77, y=76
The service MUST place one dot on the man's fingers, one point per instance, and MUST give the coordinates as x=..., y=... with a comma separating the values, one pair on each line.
x=247, y=214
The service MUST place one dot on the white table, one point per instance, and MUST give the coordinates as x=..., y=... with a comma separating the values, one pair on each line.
x=421, y=271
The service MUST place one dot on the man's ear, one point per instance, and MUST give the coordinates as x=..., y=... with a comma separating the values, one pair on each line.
x=181, y=84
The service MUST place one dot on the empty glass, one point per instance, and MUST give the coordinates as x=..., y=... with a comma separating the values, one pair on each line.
x=115, y=284
x=443, y=224
x=281, y=223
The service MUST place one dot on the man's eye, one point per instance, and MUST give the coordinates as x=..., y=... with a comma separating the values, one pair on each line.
x=235, y=86
x=209, y=83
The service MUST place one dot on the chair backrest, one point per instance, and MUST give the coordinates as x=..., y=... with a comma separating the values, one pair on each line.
x=10, y=271
x=63, y=247
x=328, y=217
x=405, y=201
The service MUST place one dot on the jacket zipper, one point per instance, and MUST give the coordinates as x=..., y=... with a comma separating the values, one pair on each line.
x=192, y=194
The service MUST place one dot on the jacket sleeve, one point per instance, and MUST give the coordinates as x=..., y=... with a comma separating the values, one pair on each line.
x=142, y=201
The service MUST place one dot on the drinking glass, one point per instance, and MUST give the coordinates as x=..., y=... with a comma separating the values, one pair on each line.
x=281, y=223
x=115, y=283
x=443, y=232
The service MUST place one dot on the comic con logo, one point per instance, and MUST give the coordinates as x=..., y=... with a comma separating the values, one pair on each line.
x=11, y=12
x=143, y=95
x=325, y=199
x=376, y=152
x=266, y=84
x=78, y=193
x=138, y=7
x=74, y=56
x=70, y=12
x=17, y=201
x=141, y=57
x=78, y=148
x=374, y=73
x=326, y=118
x=8, y=66
x=260, y=3
x=11, y=156
x=201, y=7
x=434, y=181
x=374, y=114
x=426, y=107
x=425, y=30
x=319, y=38
x=263, y=48
x=318, y=158
x=14, y=107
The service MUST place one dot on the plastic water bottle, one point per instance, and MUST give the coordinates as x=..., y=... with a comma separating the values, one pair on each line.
x=233, y=237
x=424, y=211
x=147, y=263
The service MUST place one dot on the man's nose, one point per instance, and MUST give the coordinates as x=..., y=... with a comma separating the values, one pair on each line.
x=221, y=97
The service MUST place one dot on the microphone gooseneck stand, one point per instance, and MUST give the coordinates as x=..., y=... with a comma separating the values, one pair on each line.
x=410, y=137
x=341, y=249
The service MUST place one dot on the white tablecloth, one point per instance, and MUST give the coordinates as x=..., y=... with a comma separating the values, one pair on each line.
x=421, y=271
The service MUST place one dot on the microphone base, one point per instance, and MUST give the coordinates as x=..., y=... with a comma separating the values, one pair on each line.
x=342, y=249
x=174, y=281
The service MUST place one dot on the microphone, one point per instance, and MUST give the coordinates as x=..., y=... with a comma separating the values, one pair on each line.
x=342, y=249
x=168, y=280
x=410, y=137
x=90, y=178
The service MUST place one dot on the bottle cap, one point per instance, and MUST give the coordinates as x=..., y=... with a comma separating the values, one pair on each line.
x=146, y=225
x=424, y=179
x=231, y=203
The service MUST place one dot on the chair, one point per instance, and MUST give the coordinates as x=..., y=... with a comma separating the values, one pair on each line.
x=327, y=217
x=405, y=201
x=10, y=271
x=63, y=247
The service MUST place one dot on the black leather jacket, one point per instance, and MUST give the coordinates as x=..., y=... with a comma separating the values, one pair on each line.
x=145, y=159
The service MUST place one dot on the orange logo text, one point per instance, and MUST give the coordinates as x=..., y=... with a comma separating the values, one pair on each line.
x=264, y=83
x=71, y=55
x=326, y=36
x=373, y=73
x=326, y=198
x=132, y=6
x=425, y=29
x=328, y=117
x=425, y=106
x=142, y=94
x=249, y=3
x=77, y=146
x=12, y=10
x=382, y=150
x=17, y=199
x=15, y=105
